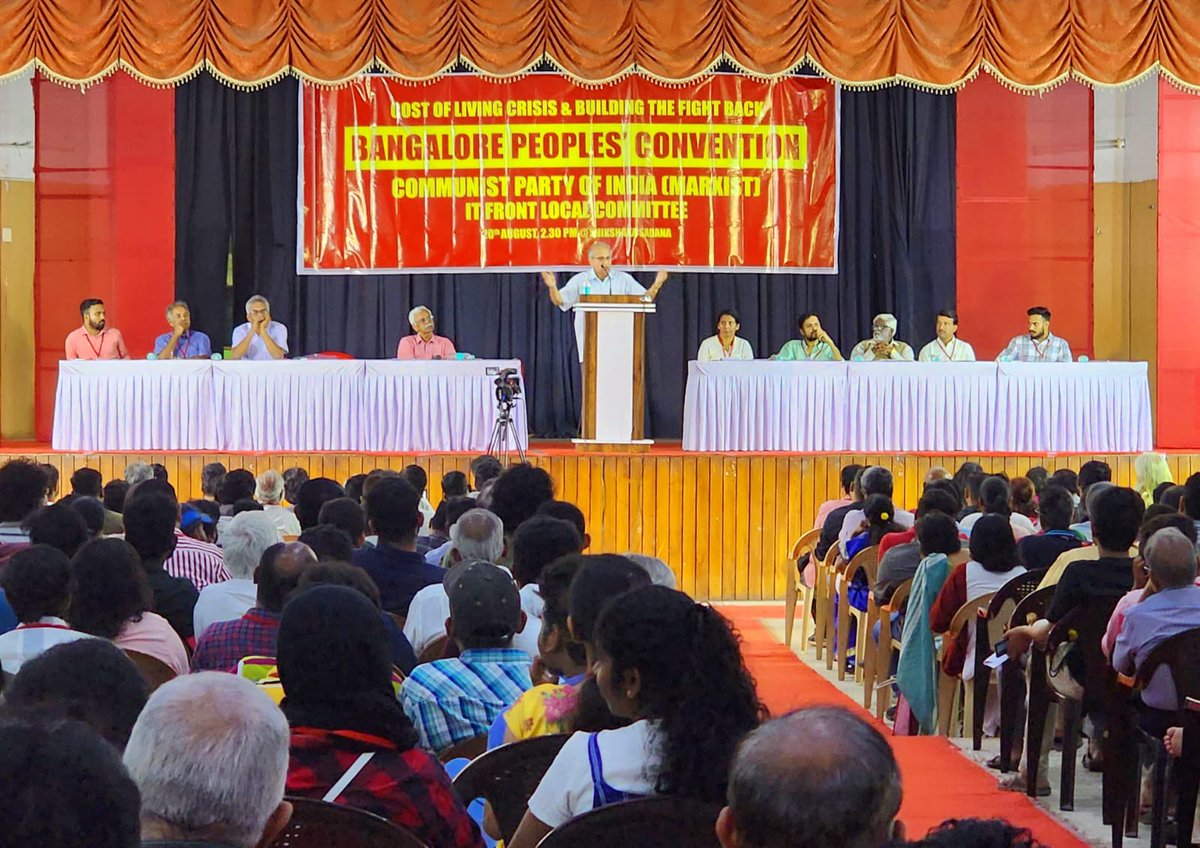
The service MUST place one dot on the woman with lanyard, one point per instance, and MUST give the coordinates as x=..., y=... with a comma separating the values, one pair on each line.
x=352, y=743
x=725, y=344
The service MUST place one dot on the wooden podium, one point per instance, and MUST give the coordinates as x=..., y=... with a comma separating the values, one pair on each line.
x=614, y=367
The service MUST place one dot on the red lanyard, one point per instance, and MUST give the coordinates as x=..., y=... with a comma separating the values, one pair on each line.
x=949, y=355
x=95, y=350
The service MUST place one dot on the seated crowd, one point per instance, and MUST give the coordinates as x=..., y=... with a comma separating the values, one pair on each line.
x=178, y=673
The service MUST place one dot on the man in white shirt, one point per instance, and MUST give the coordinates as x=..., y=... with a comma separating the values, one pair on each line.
x=600, y=279
x=259, y=338
x=246, y=538
x=37, y=585
x=947, y=346
x=882, y=345
x=269, y=492
x=876, y=480
x=22, y=493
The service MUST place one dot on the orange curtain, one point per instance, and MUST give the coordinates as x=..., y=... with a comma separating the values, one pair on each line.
x=1029, y=44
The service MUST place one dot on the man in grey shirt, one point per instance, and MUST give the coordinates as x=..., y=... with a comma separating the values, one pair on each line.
x=901, y=561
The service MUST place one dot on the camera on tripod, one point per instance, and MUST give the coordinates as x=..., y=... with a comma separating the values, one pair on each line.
x=508, y=386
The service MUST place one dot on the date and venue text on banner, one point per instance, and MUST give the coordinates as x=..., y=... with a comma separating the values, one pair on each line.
x=466, y=174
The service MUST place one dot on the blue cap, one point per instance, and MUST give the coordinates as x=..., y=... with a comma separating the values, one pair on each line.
x=189, y=516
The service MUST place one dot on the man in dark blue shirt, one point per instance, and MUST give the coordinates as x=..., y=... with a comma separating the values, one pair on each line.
x=394, y=515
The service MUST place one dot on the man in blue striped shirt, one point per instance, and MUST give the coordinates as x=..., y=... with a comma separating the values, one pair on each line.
x=451, y=700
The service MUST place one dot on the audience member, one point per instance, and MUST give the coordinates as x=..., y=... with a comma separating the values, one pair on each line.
x=417, y=478
x=268, y=490
x=88, y=483
x=328, y=543
x=90, y=510
x=1169, y=608
x=225, y=643
x=211, y=478
x=674, y=668
x=454, y=510
x=549, y=707
x=238, y=485
x=354, y=487
x=849, y=473
x=243, y=505
x=247, y=537
x=454, y=485
x=1150, y=471
x=789, y=784
x=209, y=754
x=58, y=526
x=949, y=494
x=836, y=517
x=398, y=570
x=659, y=572
x=335, y=573
x=1161, y=490
x=452, y=700
x=878, y=521
x=1039, y=477
x=115, y=492
x=111, y=598
x=484, y=470
x=1189, y=502
x=1055, y=509
x=51, y=472
x=22, y=492
x=1172, y=496
x=517, y=494
x=198, y=520
x=567, y=511
x=88, y=680
x=61, y=785
x=138, y=472
x=199, y=562
x=977, y=833
x=37, y=585
x=1068, y=479
x=293, y=479
x=438, y=528
x=150, y=529
x=963, y=474
x=875, y=480
x=899, y=563
x=1084, y=553
x=995, y=498
x=1090, y=474
x=538, y=542
x=337, y=678
x=312, y=496
x=972, y=493
x=477, y=536
x=347, y=515
x=1024, y=499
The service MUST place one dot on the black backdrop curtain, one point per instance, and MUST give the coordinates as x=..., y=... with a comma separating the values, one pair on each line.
x=235, y=189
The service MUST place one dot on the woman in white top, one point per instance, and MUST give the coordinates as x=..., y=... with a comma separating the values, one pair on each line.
x=725, y=344
x=995, y=497
x=112, y=599
x=674, y=668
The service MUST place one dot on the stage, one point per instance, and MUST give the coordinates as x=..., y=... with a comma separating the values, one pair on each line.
x=724, y=522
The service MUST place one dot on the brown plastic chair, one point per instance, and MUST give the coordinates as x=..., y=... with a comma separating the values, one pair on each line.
x=1012, y=677
x=795, y=591
x=154, y=671
x=823, y=589
x=505, y=777
x=435, y=650
x=949, y=688
x=867, y=560
x=989, y=629
x=677, y=822
x=318, y=824
x=888, y=645
x=468, y=749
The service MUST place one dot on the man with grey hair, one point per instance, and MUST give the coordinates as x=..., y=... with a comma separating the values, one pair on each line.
x=477, y=536
x=259, y=338
x=138, y=472
x=817, y=777
x=209, y=755
x=245, y=540
x=182, y=342
x=599, y=279
x=660, y=573
x=882, y=345
x=876, y=480
x=1170, y=605
x=211, y=477
x=268, y=491
x=424, y=343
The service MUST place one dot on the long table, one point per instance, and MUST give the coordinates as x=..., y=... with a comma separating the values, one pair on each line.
x=383, y=406
x=869, y=407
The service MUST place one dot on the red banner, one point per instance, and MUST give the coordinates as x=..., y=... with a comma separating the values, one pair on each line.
x=728, y=174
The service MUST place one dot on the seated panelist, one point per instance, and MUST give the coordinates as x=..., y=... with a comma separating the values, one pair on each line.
x=814, y=344
x=95, y=339
x=424, y=343
x=182, y=342
x=1040, y=345
x=947, y=346
x=259, y=338
x=725, y=344
x=882, y=345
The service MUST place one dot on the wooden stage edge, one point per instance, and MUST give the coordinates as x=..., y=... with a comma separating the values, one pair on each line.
x=724, y=522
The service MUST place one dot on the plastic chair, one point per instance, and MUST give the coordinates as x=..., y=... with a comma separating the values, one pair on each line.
x=153, y=670
x=468, y=749
x=505, y=777
x=823, y=590
x=989, y=629
x=1012, y=677
x=678, y=822
x=888, y=645
x=868, y=560
x=318, y=824
x=950, y=689
x=795, y=591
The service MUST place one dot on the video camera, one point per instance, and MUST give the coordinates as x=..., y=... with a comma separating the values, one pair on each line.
x=508, y=386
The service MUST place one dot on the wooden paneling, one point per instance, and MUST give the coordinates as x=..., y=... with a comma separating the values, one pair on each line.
x=724, y=522
x=16, y=309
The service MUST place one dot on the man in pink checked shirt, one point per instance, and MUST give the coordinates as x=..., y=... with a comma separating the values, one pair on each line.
x=95, y=339
x=424, y=344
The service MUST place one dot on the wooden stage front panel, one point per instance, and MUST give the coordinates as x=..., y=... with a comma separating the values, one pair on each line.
x=724, y=522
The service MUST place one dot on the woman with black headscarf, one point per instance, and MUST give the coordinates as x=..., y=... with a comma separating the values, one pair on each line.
x=338, y=697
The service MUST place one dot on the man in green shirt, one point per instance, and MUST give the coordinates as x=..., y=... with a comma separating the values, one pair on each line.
x=814, y=344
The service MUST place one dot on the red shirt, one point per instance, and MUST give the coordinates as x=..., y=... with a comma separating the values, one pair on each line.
x=893, y=539
x=410, y=789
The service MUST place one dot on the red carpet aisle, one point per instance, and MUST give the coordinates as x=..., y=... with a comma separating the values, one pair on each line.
x=939, y=782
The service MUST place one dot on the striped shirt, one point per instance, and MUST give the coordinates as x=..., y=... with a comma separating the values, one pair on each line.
x=451, y=700
x=197, y=561
x=11, y=533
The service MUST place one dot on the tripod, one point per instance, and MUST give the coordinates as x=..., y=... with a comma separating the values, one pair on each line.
x=503, y=432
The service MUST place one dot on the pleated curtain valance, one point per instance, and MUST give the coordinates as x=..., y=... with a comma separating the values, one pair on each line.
x=934, y=44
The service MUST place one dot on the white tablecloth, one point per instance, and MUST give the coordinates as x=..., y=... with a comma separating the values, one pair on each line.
x=869, y=407
x=382, y=406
